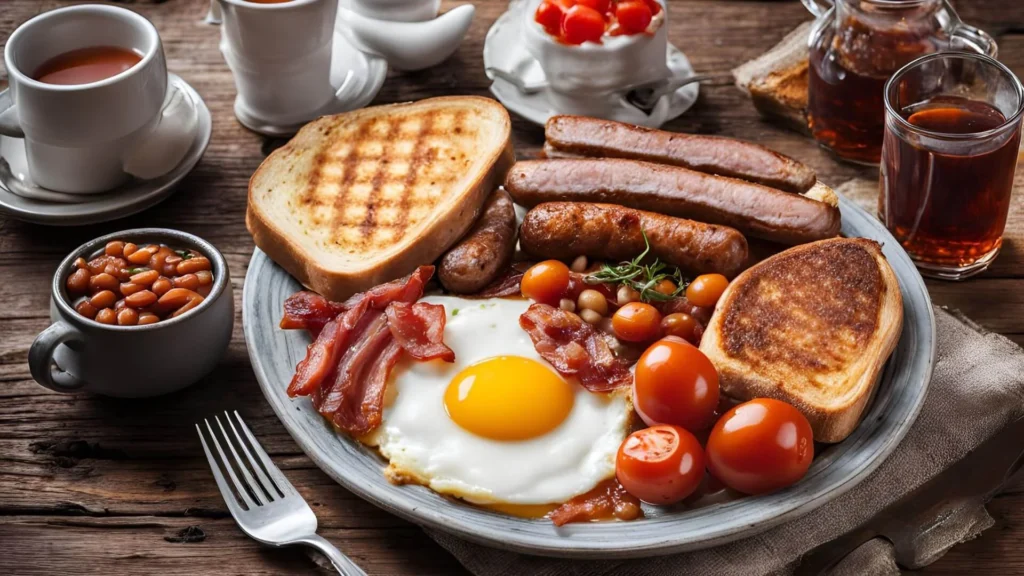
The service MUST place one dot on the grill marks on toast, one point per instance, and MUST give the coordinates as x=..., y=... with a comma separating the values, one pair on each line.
x=386, y=175
x=813, y=312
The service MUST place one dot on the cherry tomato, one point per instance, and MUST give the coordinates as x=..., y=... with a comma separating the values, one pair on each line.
x=665, y=286
x=634, y=16
x=636, y=322
x=675, y=383
x=760, y=446
x=602, y=6
x=549, y=15
x=679, y=324
x=706, y=289
x=660, y=465
x=582, y=24
x=654, y=5
x=546, y=282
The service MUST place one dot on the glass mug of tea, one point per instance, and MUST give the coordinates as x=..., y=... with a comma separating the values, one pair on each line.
x=855, y=46
x=952, y=135
x=88, y=87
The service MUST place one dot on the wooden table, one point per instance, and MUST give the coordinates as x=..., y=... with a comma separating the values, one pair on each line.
x=96, y=485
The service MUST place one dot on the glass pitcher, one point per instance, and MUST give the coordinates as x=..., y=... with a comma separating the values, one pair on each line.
x=855, y=46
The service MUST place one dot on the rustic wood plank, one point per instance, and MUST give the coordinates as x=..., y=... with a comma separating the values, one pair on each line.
x=98, y=484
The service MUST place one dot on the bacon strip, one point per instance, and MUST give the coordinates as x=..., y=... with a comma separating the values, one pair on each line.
x=575, y=348
x=307, y=310
x=346, y=367
x=322, y=353
x=607, y=500
x=419, y=328
x=350, y=398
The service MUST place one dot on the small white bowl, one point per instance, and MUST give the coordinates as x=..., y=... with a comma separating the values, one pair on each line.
x=592, y=70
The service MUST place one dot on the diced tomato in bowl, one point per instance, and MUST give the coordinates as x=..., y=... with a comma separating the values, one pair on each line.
x=577, y=21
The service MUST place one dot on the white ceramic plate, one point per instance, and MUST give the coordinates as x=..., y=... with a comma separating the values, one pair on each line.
x=898, y=398
x=129, y=199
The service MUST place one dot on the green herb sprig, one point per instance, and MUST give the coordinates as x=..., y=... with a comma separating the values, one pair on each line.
x=641, y=277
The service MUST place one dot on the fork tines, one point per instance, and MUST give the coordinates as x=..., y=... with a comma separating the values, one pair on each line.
x=261, y=481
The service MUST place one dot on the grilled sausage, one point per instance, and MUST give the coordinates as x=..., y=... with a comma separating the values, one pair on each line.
x=564, y=230
x=755, y=210
x=578, y=136
x=485, y=251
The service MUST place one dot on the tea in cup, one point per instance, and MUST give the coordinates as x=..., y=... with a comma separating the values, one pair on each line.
x=88, y=88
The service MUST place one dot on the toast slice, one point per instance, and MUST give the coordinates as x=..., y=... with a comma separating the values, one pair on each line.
x=361, y=198
x=812, y=326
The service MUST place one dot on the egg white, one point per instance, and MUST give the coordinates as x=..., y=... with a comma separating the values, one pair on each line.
x=425, y=446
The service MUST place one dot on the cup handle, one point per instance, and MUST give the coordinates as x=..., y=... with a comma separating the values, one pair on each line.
x=40, y=358
x=163, y=147
x=214, y=15
x=9, y=123
x=817, y=7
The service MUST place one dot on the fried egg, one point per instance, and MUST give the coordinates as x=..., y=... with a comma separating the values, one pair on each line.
x=499, y=425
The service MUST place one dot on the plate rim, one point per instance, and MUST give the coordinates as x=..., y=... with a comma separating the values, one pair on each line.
x=618, y=540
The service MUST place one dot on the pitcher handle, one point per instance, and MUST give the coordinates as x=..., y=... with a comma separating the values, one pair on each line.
x=817, y=7
x=966, y=37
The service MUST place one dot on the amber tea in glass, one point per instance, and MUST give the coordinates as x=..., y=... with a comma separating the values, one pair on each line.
x=952, y=135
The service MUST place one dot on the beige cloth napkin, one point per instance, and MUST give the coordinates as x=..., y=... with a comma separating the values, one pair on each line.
x=977, y=389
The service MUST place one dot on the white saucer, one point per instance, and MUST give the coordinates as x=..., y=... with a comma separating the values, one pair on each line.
x=505, y=50
x=364, y=73
x=135, y=196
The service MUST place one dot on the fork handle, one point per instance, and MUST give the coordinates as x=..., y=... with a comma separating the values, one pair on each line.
x=343, y=564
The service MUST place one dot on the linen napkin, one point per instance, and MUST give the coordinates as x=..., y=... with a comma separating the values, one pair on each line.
x=977, y=388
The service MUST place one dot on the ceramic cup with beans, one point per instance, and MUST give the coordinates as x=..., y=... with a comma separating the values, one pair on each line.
x=135, y=313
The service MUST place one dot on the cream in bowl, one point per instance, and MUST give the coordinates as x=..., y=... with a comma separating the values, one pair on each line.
x=136, y=313
x=586, y=57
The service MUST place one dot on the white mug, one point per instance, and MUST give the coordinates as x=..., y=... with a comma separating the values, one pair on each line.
x=280, y=57
x=88, y=138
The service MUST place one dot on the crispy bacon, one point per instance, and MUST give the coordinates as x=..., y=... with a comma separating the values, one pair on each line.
x=322, y=353
x=346, y=367
x=344, y=394
x=575, y=348
x=310, y=311
x=307, y=310
x=418, y=328
x=607, y=500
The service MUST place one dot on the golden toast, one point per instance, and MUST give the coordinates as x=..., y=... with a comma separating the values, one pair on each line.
x=361, y=198
x=812, y=326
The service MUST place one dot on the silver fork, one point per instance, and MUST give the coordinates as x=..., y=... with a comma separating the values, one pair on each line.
x=265, y=506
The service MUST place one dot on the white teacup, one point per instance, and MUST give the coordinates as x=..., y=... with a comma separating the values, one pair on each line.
x=280, y=56
x=87, y=138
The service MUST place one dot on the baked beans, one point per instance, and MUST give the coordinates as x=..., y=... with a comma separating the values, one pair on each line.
x=129, y=284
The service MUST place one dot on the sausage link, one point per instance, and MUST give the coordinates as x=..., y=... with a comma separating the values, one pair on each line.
x=564, y=230
x=485, y=251
x=755, y=210
x=576, y=136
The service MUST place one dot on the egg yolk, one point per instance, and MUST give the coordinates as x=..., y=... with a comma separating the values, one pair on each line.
x=508, y=398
